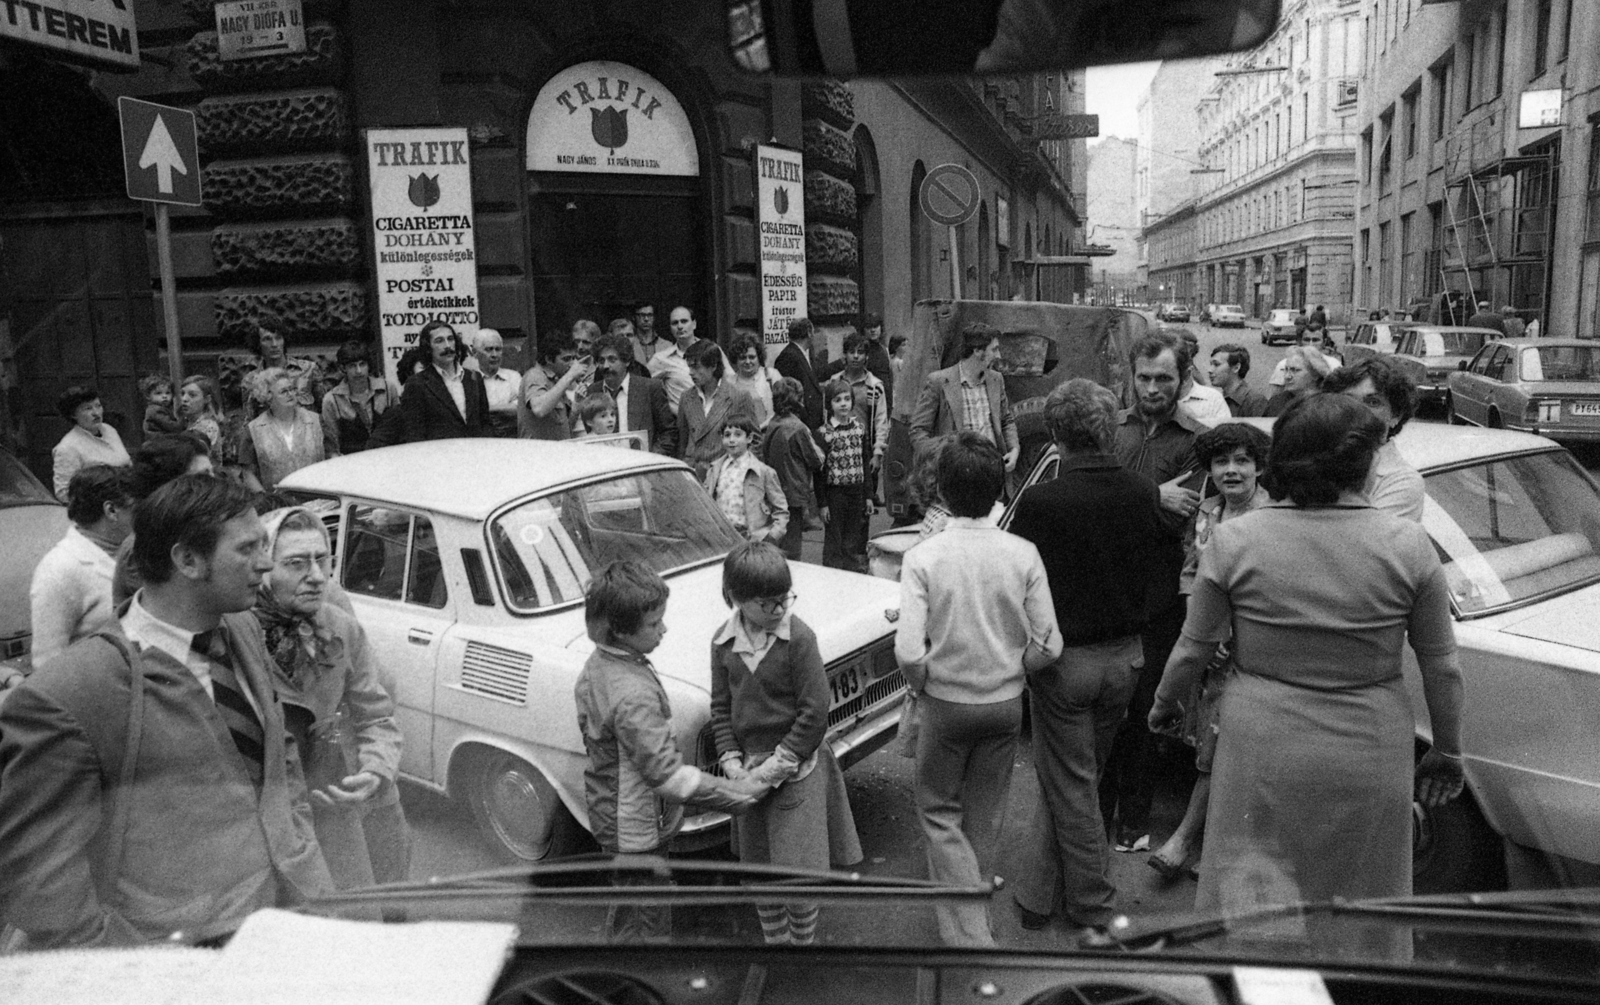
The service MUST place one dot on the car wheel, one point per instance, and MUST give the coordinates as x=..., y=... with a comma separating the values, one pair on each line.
x=517, y=809
x=1494, y=419
x=1450, y=415
x=1454, y=850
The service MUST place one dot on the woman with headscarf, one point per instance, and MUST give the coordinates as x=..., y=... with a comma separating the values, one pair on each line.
x=339, y=712
x=1315, y=768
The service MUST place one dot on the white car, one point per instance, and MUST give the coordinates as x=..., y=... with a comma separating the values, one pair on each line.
x=1227, y=316
x=1282, y=325
x=1516, y=521
x=466, y=562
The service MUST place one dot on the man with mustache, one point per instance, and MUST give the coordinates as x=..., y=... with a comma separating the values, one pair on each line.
x=444, y=400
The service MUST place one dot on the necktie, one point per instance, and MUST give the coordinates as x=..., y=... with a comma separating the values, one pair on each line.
x=228, y=693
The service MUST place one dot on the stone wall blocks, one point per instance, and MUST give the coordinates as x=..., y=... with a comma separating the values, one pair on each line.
x=309, y=185
x=831, y=249
x=276, y=122
x=830, y=101
x=828, y=149
x=322, y=312
x=828, y=296
x=828, y=198
x=288, y=248
x=741, y=235
x=322, y=62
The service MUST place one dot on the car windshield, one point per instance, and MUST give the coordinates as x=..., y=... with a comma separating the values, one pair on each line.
x=18, y=487
x=1561, y=362
x=547, y=548
x=1515, y=529
x=1282, y=317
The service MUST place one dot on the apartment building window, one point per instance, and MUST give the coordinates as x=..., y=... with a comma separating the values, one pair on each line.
x=1566, y=32
x=1591, y=231
x=1501, y=35
x=1408, y=259
x=1288, y=130
x=1305, y=116
x=1433, y=263
x=1408, y=108
x=1468, y=75
x=1366, y=262
x=1385, y=273
x=1440, y=79
x=1366, y=156
x=1543, y=15
x=1385, y=149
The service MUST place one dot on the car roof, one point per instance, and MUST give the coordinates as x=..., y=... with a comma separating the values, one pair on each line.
x=1425, y=327
x=479, y=475
x=1558, y=343
x=1427, y=446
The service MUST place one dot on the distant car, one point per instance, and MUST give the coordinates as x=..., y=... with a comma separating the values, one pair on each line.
x=1282, y=325
x=1373, y=338
x=32, y=520
x=1173, y=312
x=1227, y=316
x=1429, y=354
x=1205, y=313
x=466, y=562
x=1545, y=386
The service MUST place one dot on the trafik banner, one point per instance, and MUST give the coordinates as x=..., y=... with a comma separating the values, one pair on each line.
x=427, y=267
x=781, y=221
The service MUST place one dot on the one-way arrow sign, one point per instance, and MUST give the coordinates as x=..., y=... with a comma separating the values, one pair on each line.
x=160, y=154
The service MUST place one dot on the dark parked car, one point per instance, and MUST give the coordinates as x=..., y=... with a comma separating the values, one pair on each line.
x=31, y=522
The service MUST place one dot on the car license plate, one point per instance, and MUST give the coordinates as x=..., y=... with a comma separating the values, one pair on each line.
x=1584, y=407
x=846, y=683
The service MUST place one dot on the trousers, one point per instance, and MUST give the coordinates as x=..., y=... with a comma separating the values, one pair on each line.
x=1127, y=782
x=1078, y=703
x=844, y=540
x=964, y=759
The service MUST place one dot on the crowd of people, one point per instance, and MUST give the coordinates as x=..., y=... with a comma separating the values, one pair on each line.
x=192, y=641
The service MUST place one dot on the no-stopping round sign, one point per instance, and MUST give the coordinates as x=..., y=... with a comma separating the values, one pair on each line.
x=950, y=195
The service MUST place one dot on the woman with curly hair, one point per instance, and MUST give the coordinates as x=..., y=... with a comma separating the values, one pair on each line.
x=335, y=705
x=284, y=438
x=1315, y=768
x=750, y=374
x=200, y=405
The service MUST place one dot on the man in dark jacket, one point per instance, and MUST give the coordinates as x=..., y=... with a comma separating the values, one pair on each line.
x=444, y=400
x=795, y=361
x=877, y=361
x=1487, y=318
x=147, y=785
x=1097, y=528
x=641, y=402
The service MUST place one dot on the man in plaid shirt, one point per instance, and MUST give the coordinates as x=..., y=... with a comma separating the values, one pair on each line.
x=842, y=482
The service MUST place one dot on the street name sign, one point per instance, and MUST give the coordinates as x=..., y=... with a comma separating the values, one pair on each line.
x=1066, y=127
x=950, y=195
x=250, y=28
x=90, y=31
x=160, y=154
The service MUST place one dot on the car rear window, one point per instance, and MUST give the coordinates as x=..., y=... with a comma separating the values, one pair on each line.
x=1561, y=362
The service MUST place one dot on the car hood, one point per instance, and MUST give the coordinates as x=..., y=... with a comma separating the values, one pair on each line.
x=29, y=532
x=1565, y=621
x=845, y=609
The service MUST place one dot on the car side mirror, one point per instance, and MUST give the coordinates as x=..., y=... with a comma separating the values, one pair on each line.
x=1462, y=365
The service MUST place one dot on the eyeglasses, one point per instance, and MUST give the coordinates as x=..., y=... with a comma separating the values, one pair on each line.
x=772, y=605
x=300, y=565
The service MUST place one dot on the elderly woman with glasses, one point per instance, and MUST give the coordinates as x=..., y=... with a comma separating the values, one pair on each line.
x=335, y=705
x=1304, y=370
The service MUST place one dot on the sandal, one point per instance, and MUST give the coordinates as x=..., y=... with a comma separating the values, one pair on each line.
x=1169, y=870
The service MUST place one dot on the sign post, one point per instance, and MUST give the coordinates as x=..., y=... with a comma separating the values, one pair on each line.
x=950, y=195
x=161, y=163
x=781, y=218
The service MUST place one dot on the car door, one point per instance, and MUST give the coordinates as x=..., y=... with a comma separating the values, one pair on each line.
x=1044, y=470
x=1469, y=391
x=389, y=565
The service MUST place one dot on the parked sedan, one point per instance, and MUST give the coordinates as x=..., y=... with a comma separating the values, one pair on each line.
x=32, y=520
x=1282, y=325
x=466, y=561
x=1173, y=312
x=1545, y=386
x=1429, y=354
x=1517, y=524
x=1227, y=316
x=1373, y=338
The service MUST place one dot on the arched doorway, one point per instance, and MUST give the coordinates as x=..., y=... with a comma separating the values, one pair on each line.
x=921, y=252
x=869, y=224
x=615, y=204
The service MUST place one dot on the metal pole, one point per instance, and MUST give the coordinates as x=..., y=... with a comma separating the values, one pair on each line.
x=955, y=264
x=169, y=293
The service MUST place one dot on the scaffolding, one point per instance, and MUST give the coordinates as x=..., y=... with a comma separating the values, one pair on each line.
x=1499, y=216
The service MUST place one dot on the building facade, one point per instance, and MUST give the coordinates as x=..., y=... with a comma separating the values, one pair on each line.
x=1171, y=244
x=1479, y=159
x=1277, y=148
x=1114, y=219
x=286, y=229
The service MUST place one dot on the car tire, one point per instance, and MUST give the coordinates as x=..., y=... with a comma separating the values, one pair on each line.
x=1450, y=415
x=517, y=810
x=1454, y=850
x=1494, y=419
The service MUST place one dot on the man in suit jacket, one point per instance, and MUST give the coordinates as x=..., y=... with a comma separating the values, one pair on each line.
x=147, y=785
x=795, y=361
x=641, y=402
x=968, y=395
x=443, y=400
x=706, y=407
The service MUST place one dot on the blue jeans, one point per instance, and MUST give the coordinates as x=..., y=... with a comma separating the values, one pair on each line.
x=1078, y=704
x=964, y=759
